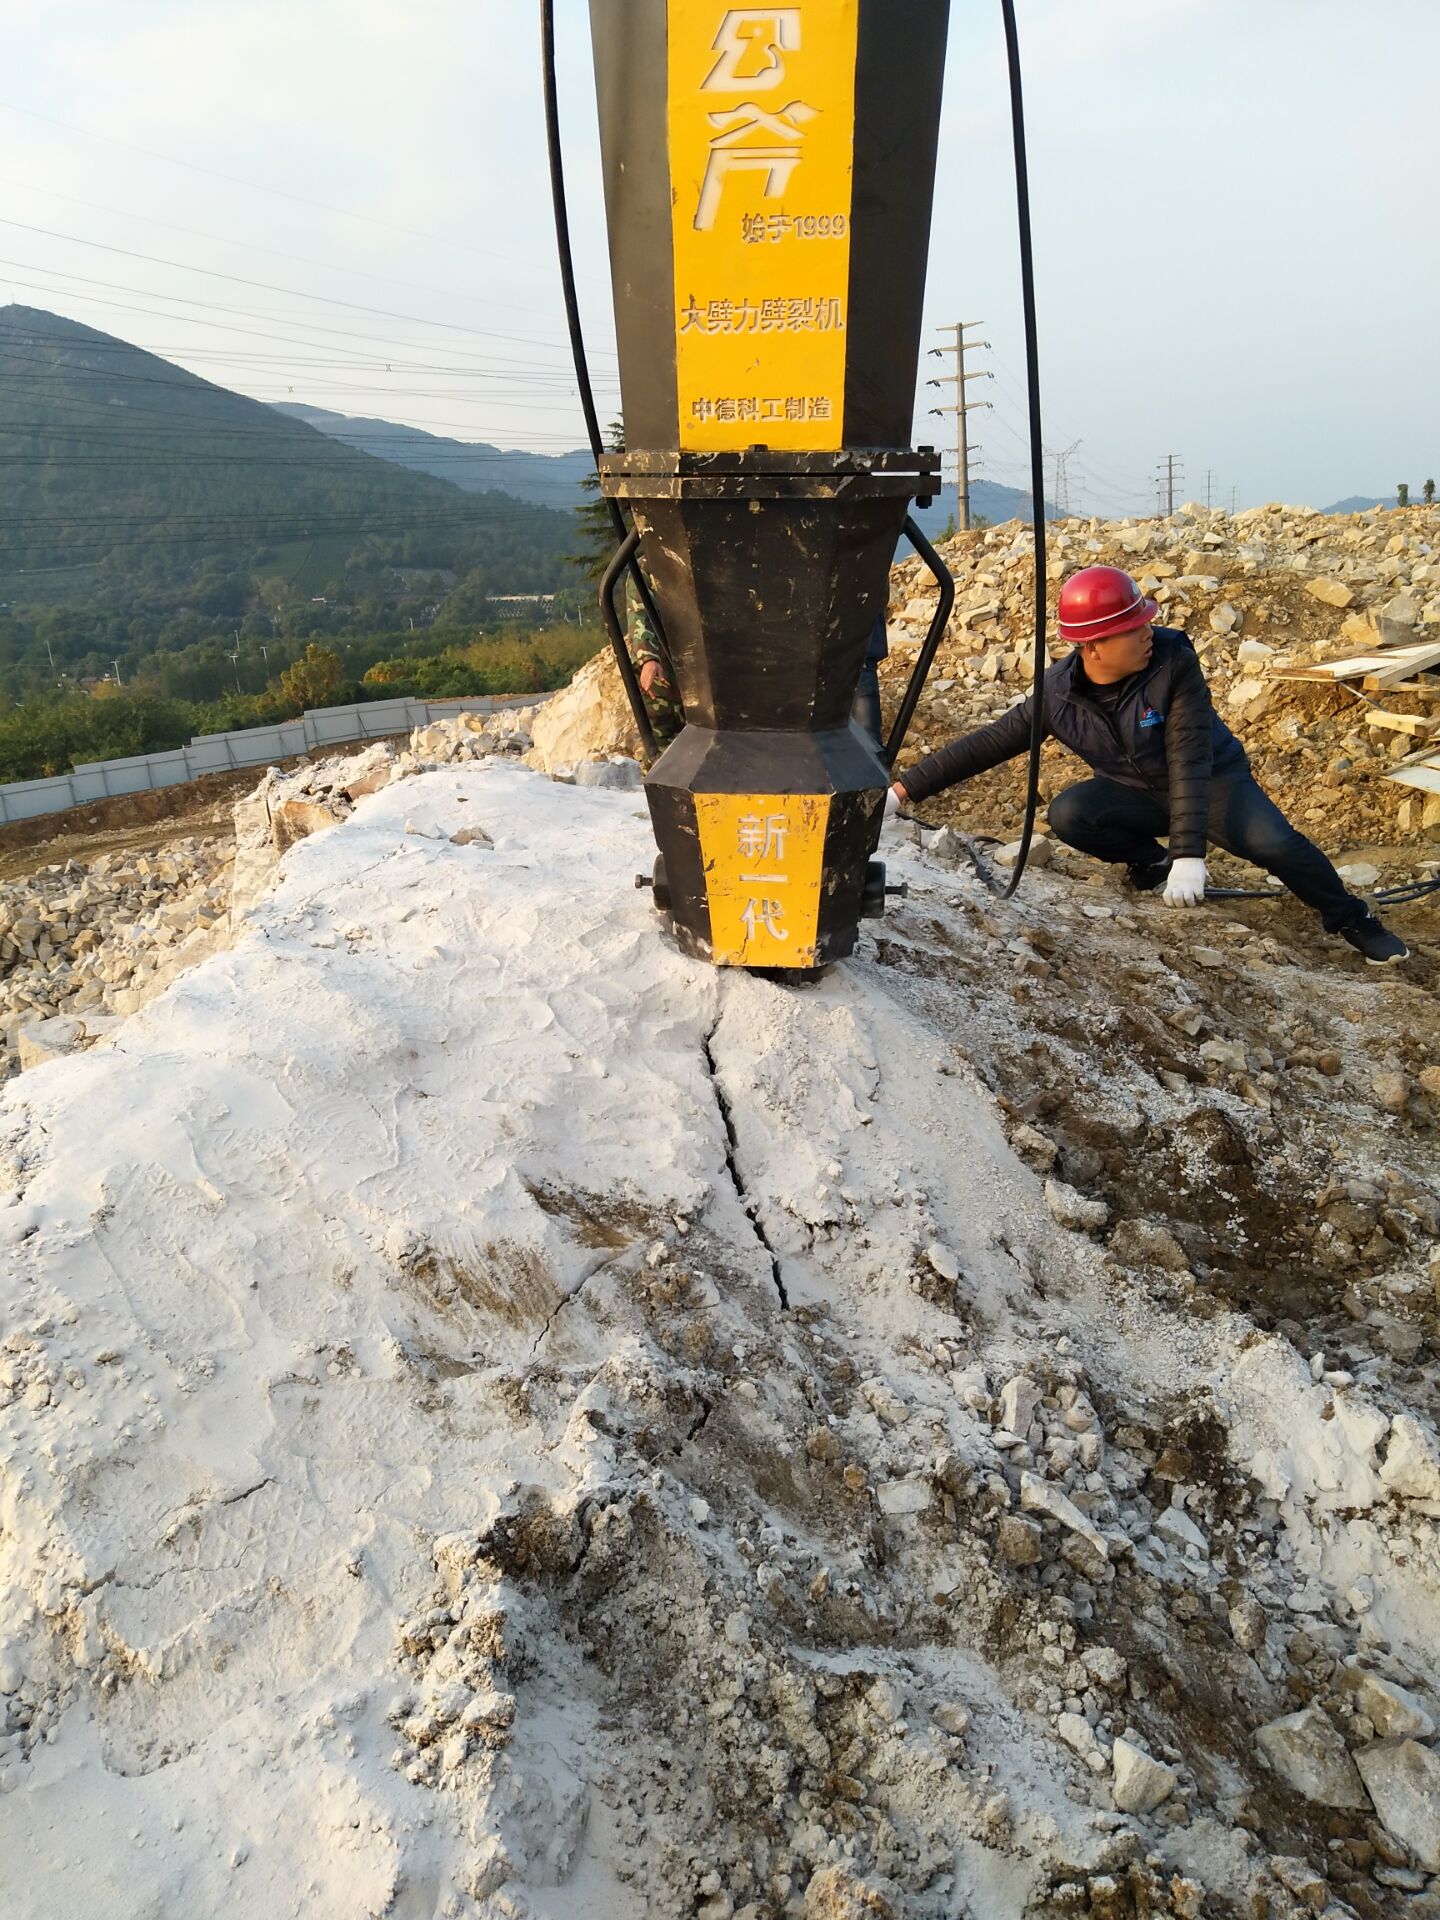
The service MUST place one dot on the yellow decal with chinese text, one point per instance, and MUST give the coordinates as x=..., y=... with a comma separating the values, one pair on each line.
x=762, y=854
x=762, y=137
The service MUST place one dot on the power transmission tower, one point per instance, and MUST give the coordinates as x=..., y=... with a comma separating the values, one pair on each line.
x=1167, y=482
x=961, y=406
x=1208, y=478
x=1062, y=479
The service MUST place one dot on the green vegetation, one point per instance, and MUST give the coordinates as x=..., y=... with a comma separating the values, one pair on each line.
x=59, y=731
x=1402, y=495
x=160, y=528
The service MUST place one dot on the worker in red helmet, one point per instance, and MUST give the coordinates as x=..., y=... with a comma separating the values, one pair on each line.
x=1131, y=700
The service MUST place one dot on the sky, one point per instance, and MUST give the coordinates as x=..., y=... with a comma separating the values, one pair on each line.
x=345, y=202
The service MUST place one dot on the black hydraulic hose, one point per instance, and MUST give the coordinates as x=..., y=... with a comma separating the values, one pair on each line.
x=1398, y=895
x=572, y=316
x=623, y=556
x=1037, y=452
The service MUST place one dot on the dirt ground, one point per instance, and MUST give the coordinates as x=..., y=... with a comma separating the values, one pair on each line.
x=138, y=822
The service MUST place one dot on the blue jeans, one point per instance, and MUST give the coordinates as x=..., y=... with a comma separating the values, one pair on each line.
x=866, y=710
x=1115, y=822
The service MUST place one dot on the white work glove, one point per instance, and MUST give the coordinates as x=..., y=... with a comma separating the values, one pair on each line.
x=892, y=803
x=1185, y=886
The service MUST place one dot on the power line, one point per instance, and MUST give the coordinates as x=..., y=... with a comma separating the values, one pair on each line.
x=265, y=286
x=206, y=307
x=253, y=246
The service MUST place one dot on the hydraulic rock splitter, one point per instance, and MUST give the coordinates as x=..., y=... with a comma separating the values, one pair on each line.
x=769, y=173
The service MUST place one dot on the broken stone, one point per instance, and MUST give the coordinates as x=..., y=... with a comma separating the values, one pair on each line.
x=1334, y=593
x=1412, y=1463
x=1177, y=1526
x=1040, y=1496
x=368, y=783
x=1297, y=1876
x=1141, y=1784
x=1077, y=1733
x=1309, y=1755
x=1040, y=855
x=1036, y=1151
x=952, y=1718
x=1225, y=1053
x=1106, y=1667
x=1394, y=1712
x=1073, y=1210
x=1391, y=1091
x=1248, y=1624
x=943, y=1261
x=834, y=1893
x=898, y=1497
x=48, y=1040
x=1019, y=1541
x=296, y=820
x=622, y=774
x=471, y=837
x=1018, y=1400
x=1404, y=1782
x=1145, y=1243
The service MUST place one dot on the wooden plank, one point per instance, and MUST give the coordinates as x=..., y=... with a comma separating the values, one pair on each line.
x=1425, y=775
x=1414, y=660
x=1383, y=682
x=1421, y=724
x=1331, y=670
x=1384, y=668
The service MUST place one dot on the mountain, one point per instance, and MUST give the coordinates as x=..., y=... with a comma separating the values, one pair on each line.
x=555, y=479
x=1358, y=503
x=988, y=501
x=550, y=480
x=127, y=480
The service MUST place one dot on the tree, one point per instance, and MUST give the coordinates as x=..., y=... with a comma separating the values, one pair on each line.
x=1402, y=495
x=597, y=529
x=1429, y=492
x=314, y=679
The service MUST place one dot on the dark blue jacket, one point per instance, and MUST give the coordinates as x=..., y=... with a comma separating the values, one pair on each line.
x=1164, y=737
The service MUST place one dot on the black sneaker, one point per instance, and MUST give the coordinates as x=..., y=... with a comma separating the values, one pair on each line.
x=1150, y=878
x=1379, y=946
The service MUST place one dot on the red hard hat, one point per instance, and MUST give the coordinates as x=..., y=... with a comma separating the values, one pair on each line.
x=1099, y=601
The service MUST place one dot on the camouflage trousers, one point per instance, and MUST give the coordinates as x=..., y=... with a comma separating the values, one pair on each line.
x=662, y=703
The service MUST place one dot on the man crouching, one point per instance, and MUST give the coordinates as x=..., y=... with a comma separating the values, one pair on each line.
x=1132, y=701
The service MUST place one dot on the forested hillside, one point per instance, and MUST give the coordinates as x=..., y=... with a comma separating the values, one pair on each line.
x=549, y=479
x=146, y=511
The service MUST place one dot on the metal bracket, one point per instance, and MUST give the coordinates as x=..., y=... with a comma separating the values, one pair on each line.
x=933, y=638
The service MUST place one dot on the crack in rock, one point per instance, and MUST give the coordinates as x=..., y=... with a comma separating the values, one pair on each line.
x=732, y=1148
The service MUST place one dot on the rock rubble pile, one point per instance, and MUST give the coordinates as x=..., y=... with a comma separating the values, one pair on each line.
x=581, y=1431
x=1254, y=590
x=86, y=943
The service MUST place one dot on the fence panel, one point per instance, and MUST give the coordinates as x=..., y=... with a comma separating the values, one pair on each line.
x=26, y=799
x=249, y=747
